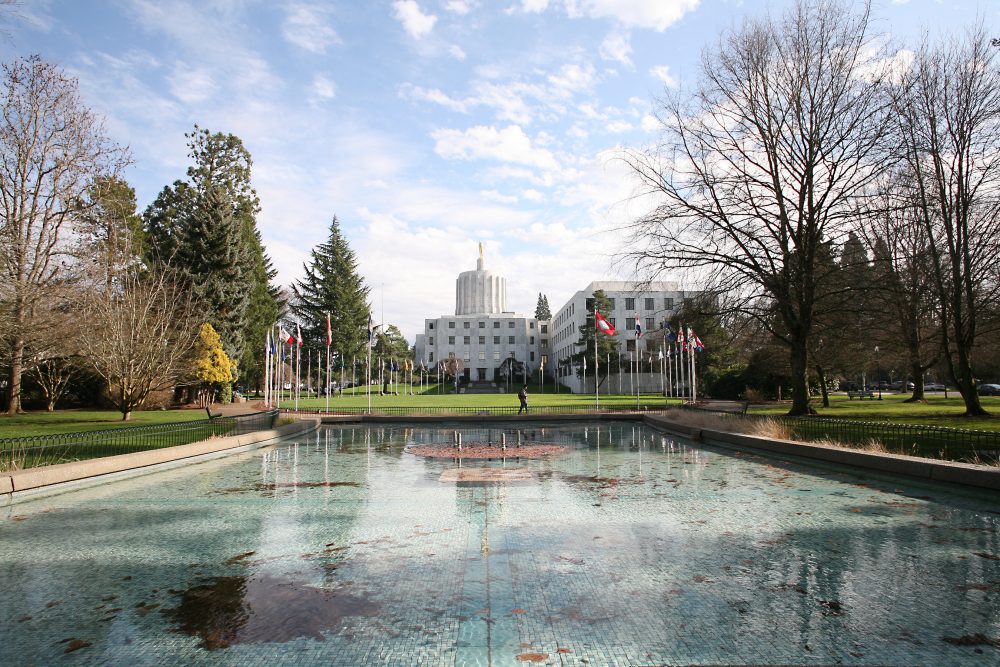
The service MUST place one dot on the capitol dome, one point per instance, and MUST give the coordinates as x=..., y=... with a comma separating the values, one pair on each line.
x=480, y=292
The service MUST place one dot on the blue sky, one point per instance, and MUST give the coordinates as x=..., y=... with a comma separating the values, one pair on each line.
x=424, y=125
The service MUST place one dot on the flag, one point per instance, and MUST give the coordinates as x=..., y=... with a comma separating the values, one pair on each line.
x=329, y=331
x=668, y=333
x=298, y=334
x=638, y=327
x=661, y=355
x=603, y=325
x=286, y=337
x=695, y=341
x=681, y=339
x=369, y=330
x=270, y=343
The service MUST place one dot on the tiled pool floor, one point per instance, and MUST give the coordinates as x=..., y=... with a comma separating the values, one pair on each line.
x=632, y=549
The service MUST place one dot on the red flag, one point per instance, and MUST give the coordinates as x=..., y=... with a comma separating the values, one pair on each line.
x=603, y=325
x=329, y=331
x=298, y=334
x=287, y=338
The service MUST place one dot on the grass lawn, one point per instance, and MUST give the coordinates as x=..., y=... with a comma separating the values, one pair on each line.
x=71, y=421
x=937, y=411
x=431, y=399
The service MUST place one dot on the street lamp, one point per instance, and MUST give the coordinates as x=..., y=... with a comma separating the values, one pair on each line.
x=879, y=367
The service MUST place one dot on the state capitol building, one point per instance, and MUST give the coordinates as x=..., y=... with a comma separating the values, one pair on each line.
x=491, y=340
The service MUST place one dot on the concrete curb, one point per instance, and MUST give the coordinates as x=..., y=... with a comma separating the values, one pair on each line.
x=965, y=474
x=45, y=476
x=474, y=419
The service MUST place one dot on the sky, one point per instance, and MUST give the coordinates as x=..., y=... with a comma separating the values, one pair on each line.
x=425, y=126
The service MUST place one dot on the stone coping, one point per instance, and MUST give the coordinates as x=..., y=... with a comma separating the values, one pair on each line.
x=482, y=418
x=15, y=483
x=966, y=474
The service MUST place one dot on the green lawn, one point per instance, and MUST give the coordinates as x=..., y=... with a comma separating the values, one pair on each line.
x=70, y=421
x=937, y=411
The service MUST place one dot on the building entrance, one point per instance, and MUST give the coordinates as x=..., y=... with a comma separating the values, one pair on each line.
x=480, y=373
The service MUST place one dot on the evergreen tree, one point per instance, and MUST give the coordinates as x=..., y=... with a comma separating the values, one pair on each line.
x=606, y=345
x=542, y=311
x=332, y=285
x=206, y=228
x=109, y=230
x=212, y=366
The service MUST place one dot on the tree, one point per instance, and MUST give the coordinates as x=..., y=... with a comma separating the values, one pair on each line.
x=606, y=345
x=332, y=285
x=763, y=164
x=140, y=335
x=52, y=148
x=948, y=106
x=206, y=228
x=109, y=230
x=542, y=311
x=212, y=366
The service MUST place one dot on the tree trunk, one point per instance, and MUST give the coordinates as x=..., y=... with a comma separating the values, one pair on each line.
x=16, y=370
x=126, y=415
x=800, y=385
x=822, y=385
x=966, y=382
x=917, y=373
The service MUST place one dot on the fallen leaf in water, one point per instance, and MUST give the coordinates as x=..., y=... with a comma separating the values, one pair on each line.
x=533, y=657
x=983, y=554
x=75, y=644
x=517, y=611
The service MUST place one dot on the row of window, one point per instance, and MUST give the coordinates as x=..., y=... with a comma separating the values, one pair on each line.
x=482, y=325
x=482, y=356
x=482, y=340
x=649, y=303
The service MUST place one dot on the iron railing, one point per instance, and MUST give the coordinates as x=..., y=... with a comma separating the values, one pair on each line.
x=484, y=411
x=941, y=442
x=30, y=452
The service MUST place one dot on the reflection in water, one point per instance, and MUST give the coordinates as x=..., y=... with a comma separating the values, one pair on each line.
x=630, y=548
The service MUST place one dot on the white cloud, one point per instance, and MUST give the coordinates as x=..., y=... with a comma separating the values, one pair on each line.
x=662, y=72
x=533, y=195
x=456, y=52
x=619, y=126
x=493, y=195
x=656, y=14
x=323, y=87
x=415, y=22
x=305, y=26
x=535, y=6
x=409, y=91
x=573, y=78
x=509, y=144
x=650, y=124
x=616, y=47
x=191, y=84
x=460, y=7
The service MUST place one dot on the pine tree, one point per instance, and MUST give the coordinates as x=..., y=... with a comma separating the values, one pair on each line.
x=606, y=345
x=542, y=311
x=332, y=285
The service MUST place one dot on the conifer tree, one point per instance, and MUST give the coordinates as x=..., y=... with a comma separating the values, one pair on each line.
x=606, y=345
x=542, y=311
x=332, y=285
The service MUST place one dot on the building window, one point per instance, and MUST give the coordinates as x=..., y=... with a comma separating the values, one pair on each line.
x=482, y=325
x=482, y=356
x=482, y=340
x=466, y=357
x=510, y=325
x=649, y=324
x=496, y=324
x=510, y=339
x=466, y=324
x=630, y=323
x=630, y=345
x=430, y=341
x=531, y=325
x=545, y=343
x=612, y=303
x=612, y=321
x=496, y=356
x=545, y=328
x=531, y=340
x=668, y=303
x=430, y=357
x=629, y=304
x=649, y=304
x=451, y=325
x=545, y=359
x=465, y=339
x=451, y=340
x=590, y=305
x=496, y=340
x=430, y=326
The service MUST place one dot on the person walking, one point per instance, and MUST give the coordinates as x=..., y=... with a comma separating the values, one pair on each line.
x=523, y=396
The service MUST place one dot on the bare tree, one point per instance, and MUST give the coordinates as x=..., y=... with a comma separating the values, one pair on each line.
x=51, y=146
x=141, y=335
x=762, y=165
x=949, y=110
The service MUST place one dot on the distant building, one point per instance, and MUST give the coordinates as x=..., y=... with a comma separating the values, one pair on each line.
x=652, y=302
x=490, y=340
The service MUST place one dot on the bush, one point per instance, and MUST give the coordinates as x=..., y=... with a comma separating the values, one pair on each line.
x=226, y=393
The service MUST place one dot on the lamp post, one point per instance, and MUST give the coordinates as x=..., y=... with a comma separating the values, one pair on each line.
x=879, y=368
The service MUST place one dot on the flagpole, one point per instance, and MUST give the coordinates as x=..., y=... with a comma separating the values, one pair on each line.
x=597, y=393
x=638, y=371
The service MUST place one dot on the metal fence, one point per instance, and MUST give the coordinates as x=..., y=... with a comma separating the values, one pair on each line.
x=483, y=411
x=30, y=452
x=939, y=442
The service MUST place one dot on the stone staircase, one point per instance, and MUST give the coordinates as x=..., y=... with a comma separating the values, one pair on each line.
x=481, y=387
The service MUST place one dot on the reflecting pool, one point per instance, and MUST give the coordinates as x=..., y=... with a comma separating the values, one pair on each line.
x=631, y=548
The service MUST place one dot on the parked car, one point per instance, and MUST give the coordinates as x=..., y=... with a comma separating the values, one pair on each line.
x=899, y=385
x=933, y=386
x=989, y=389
